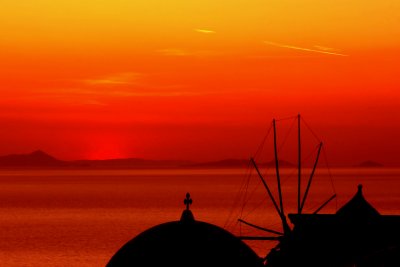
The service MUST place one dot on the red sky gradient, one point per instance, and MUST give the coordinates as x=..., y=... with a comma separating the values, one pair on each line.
x=198, y=80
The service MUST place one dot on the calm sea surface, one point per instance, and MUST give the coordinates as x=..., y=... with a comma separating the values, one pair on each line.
x=81, y=218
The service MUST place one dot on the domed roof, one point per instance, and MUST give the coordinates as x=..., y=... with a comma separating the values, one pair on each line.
x=358, y=208
x=185, y=243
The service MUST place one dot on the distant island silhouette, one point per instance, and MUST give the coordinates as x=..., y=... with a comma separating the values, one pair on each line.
x=42, y=160
x=370, y=164
x=38, y=159
x=239, y=163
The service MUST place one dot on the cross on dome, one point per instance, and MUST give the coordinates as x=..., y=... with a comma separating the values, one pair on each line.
x=188, y=201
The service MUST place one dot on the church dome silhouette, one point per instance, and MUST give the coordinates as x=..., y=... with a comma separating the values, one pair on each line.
x=358, y=208
x=186, y=242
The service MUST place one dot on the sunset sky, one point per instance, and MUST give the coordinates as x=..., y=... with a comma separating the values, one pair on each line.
x=198, y=80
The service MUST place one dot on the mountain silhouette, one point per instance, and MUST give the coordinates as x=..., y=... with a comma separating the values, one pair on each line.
x=37, y=159
x=41, y=160
x=369, y=164
x=129, y=163
x=239, y=163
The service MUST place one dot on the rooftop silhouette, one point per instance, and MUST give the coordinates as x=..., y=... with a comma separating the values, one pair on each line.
x=186, y=242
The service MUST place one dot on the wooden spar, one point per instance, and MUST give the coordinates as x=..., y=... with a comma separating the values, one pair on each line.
x=285, y=225
x=266, y=186
x=325, y=203
x=299, y=166
x=277, y=171
x=260, y=228
x=259, y=237
x=311, y=177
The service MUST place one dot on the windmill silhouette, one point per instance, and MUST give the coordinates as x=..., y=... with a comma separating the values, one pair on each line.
x=278, y=204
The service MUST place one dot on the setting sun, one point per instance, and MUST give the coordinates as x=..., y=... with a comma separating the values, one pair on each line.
x=191, y=71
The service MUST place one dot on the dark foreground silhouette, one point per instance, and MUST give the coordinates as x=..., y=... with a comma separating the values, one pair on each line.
x=185, y=243
x=357, y=235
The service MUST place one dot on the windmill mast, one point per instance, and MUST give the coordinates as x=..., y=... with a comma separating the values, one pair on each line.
x=299, y=166
x=277, y=171
x=311, y=177
x=286, y=228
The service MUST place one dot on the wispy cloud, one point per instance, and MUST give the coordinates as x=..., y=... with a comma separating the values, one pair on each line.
x=206, y=31
x=93, y=102
x=114, y=79
x=316, y=49
x=98, y=91
x=324, y=48
x=89, y=96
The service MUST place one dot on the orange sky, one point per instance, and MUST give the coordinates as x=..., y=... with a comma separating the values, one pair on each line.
x=198, y=80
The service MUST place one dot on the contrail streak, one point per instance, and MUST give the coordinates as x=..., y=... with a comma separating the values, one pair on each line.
x=204, y=31
x=304, y=49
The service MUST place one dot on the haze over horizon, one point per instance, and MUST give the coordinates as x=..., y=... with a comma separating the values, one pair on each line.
x=198, y=80
x=42, y=159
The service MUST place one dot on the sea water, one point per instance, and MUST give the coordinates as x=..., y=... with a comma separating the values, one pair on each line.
x=82, y=217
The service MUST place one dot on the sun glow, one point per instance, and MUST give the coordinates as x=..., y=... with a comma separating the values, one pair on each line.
x=190, y=71
x=107, y=147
